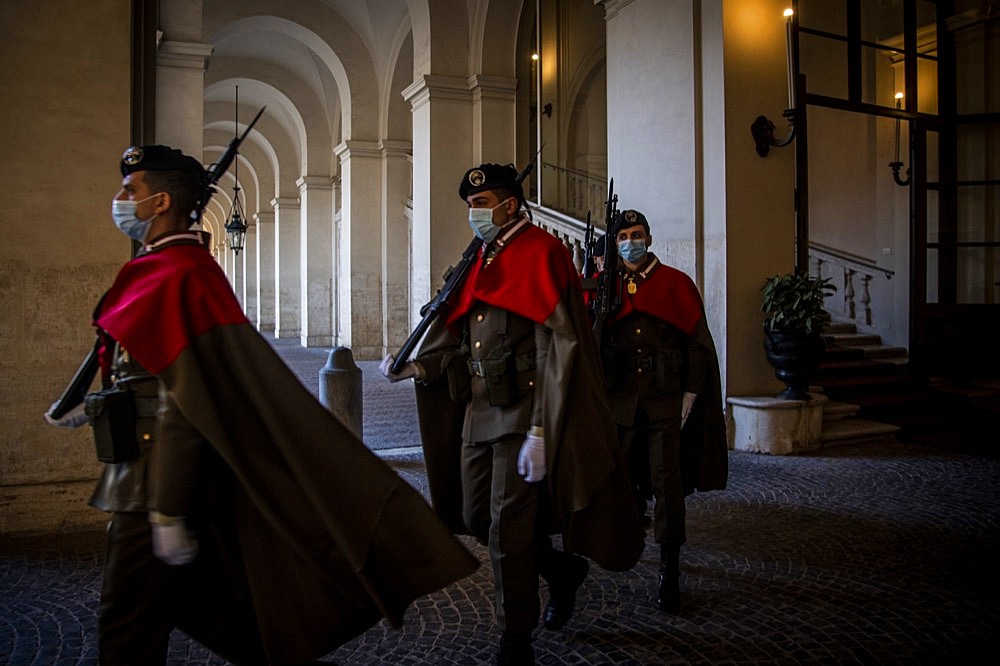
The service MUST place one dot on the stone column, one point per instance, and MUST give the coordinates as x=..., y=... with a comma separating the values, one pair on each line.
x=180, y=88
x=359, y=251
x=315, y=261
x=287, y=262
x=494, y=119
x=247, y=267
x=396, y=180
x=442, y=111
x=236, y=270
x=264, y=224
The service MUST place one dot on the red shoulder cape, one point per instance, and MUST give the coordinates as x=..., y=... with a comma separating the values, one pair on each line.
x=527, y=277
x=667, y=294
x=167, y=281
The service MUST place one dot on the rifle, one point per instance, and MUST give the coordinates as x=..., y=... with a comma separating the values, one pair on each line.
x=78, y=386
x=608, y=296
x=589, y=267
x=453, y=278
x=215, y=171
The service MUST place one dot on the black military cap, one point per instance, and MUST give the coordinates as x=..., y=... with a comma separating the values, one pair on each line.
x=159, y=158
x=490, y=177
x=599, y=246
x=630, y=218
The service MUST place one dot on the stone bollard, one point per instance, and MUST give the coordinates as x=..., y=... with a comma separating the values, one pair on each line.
x=340, y=389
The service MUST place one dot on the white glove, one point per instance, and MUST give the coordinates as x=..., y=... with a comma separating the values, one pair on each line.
x=74, y=418
x=172, y=541
x=686, y=404
x=531, y=459
x=409, y=369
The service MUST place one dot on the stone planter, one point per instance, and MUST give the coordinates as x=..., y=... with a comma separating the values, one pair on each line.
x=795, y=357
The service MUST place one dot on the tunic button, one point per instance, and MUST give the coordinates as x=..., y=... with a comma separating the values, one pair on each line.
x=479, y=317
x=638, y=331
x=639, y=370
x=531, y=383
x=639, y=350
x=478, y=344
x=146, y=437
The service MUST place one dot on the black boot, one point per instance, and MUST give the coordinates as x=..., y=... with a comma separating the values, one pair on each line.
x=515, y=650
x=668, y=591
x=564, y=580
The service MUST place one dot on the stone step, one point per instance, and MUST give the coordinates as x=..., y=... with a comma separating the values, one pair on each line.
x=840, y=327
x=886, y=354
x=855, y=339
x=856, y=431
x=836, y=411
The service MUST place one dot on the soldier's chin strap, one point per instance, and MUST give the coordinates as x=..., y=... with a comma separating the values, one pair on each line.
x=214, y=172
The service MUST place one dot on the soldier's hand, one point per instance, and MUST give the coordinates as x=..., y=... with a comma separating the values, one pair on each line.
x=408, y=370
x=74, y=418
x=687, y=402
x=531, y=459
x=172, y=541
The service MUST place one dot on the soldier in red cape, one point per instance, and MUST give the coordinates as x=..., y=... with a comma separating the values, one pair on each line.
x=257, y=522
x=534, y=452
x=664, y=388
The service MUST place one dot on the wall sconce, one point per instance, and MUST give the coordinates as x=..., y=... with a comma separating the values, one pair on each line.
x=896, y=164
x=762, y=129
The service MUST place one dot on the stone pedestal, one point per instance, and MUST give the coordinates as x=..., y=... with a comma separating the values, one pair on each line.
x=771, y=425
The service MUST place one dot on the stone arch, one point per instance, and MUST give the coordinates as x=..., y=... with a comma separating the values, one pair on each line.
x=440, y=37
x=349, y=63
x=300, y=108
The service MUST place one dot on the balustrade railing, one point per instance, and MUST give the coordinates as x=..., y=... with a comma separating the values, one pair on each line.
x=573, y=192
x=856, y=279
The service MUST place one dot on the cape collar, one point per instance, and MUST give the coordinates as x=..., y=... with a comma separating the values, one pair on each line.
x=192, y=237
x=506, y=235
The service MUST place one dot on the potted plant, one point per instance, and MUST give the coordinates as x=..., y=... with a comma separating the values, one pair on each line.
x=796, y=316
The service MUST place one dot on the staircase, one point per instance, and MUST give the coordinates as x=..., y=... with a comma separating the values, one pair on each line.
x=874, y=395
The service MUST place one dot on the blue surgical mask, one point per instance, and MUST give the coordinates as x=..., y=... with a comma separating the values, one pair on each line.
x=481, y=221
x=632, y=250
x=123, y=213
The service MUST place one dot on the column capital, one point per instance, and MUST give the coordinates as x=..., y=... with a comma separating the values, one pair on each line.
x=263, y=217
x=184, y=55
x=286, y=202
x=345, y=150
x=315, y=183
x=493, y=87
x=429, y=86
x=612, y=7
x=394, y=148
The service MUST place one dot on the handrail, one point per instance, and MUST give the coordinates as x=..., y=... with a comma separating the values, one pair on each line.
x=582, y=174
x=854, y=258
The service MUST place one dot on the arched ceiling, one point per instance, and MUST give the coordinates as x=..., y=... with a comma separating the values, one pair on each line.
x=325, y=69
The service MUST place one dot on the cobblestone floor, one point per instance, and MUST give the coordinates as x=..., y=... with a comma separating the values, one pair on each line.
x=856, y=555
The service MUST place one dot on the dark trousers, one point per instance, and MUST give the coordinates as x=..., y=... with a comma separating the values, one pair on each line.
x=501, y=509
x=143, y=599
x=139, y=596
x=656, y=445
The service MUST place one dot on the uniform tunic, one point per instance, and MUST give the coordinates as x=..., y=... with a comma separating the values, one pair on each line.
x=521, y=301
x=655, y=349
x=321, y=534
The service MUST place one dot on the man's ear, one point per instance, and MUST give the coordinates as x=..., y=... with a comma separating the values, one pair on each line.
x=649, y=241
x=511, y=212
x=164, y=204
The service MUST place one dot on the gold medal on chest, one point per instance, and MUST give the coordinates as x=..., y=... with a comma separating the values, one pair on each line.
x=632, y=287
